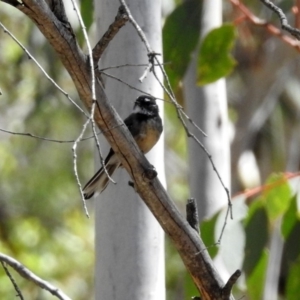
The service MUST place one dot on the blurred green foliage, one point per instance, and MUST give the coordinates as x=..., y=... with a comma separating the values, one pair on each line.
x=258, y=227
x=42, y=222
x=214, y=58
x=87, y=12
x=180, y=36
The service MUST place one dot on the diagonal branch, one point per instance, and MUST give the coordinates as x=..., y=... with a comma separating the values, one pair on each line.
x=26, y=273
x=119, y=22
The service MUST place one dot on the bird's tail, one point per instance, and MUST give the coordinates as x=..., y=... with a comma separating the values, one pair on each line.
x=99, y=181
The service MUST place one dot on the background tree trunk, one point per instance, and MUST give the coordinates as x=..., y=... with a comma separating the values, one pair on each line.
x=129, y=241
x=207, y=106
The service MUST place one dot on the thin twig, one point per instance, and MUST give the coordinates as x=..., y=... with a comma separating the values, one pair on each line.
x=162, y=206
x=154, y=60
x=228, y=211
x=189, y=134
x=296, y=11
x=125, y=83
x=263, y=23
x=91, y=118
x=44, y=138
x=42, y=69
x=98, y=144
x=113, y=29
x=283, y=20
x=19, y=294
x=27, y=274
x=124, y=65
x=137, y=27
x=74, y=148
x=150, y=65
x=28, y=134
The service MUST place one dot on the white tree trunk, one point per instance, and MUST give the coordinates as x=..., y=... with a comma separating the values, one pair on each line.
x=207, y=106
x=129, y=241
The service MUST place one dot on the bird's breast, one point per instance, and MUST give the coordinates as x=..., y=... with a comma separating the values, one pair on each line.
x=148, y=136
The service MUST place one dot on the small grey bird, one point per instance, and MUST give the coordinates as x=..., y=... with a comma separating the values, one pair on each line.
x=145, y=125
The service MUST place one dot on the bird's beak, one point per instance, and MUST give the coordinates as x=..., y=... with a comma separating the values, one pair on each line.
x=137, y=103
x=136, y=106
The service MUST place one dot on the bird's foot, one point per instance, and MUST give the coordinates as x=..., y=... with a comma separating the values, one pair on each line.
x=150, y=173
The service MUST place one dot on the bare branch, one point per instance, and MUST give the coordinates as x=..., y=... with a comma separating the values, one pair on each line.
x=231, y=281
x=152, y=60
x=122, y=81
x=28, y=134
x=136, y=26
x=91, y=118
x=192, y=214
x=248, y=15
x=180, y=111
x=19, y=294
x=119, y=22
x=283, y=20
x=40, y=137
x=74, y=148
x=42, y=69
x=125, y=65
x=27, y=274
x=150, y=65
x=228, y=211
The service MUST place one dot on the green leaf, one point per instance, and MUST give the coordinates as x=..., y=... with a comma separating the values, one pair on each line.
x=214, y=58
x=290, y=263
x=290, y=218
x=181, y=33
x=277, y=196
x=87, y=11
x=293, y=282
x=255, y=282
x=208, y=235
x=291, y=251
x=256, y=236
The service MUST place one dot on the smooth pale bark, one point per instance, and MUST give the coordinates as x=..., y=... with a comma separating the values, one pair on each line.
x=274, y=263
x=207, y=106
x=129, y=240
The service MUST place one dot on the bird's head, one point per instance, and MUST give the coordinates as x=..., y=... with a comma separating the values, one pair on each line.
x=146, y=104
